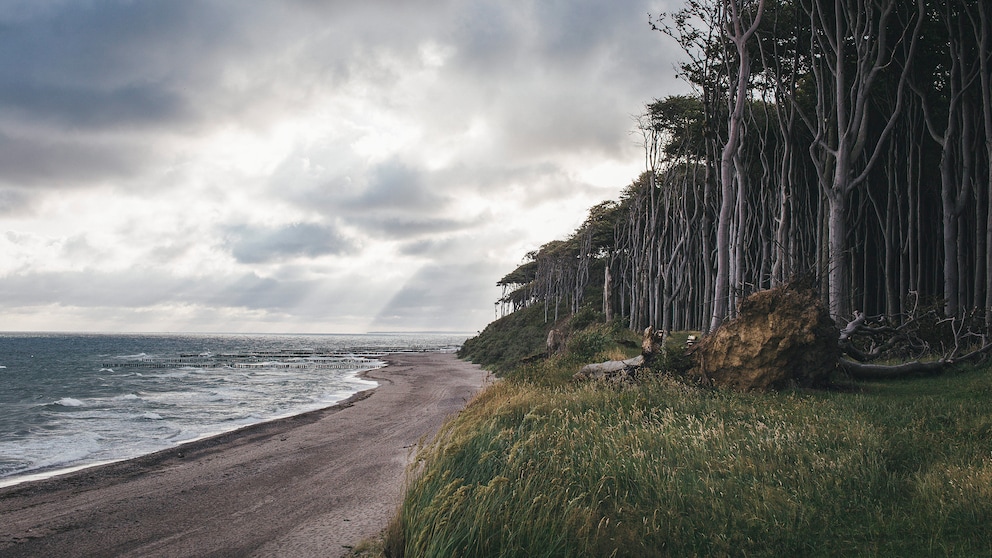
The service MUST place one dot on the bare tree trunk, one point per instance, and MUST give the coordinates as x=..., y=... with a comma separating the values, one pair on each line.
x=737, y=239
x=782, y=256
x=842, y=151
x=954, y=189
x=723, y=248
x=607, y=290
x=948, y=197
x=891, y=249
x=966, y=299
x=735, y=31
x=985, y=79
x=915, y=257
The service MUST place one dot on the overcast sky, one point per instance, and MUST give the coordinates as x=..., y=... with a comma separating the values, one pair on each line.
x=305, y=165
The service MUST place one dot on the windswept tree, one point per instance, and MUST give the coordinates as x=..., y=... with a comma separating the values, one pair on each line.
x=949, y=91
x=715, y=35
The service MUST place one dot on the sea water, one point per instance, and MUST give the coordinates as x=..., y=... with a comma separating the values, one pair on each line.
x=74, y=400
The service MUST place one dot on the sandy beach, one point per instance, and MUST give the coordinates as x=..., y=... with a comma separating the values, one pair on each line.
x=309, y=485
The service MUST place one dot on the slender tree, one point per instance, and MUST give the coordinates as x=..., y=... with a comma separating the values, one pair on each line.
x=851, y=50
x=739, y=26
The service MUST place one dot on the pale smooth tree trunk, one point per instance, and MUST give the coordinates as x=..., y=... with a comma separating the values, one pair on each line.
x=850, y=30
x=734, y=28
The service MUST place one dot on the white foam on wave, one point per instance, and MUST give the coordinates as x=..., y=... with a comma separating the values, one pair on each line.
x=201, y=402
x=69, y=402
x=50, y=453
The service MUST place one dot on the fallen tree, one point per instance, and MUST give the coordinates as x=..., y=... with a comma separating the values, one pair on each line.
x=784, y=337
x=928, y=344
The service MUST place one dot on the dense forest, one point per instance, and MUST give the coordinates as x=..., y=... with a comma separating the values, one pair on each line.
x=845, y=140
x=843, y=145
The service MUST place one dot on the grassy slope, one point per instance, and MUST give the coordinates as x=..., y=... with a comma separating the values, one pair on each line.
x=547, y=468
x=520, y=338
x=509, y=341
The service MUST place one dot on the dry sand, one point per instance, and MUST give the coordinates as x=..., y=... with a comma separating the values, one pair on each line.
x=309, y=485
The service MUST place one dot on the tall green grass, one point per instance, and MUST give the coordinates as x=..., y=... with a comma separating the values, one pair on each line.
x=666, y=469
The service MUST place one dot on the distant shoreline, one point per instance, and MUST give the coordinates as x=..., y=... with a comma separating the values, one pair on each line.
x=309, y=483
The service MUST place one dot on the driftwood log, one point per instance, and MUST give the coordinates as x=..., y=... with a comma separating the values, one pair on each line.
x=611, y=369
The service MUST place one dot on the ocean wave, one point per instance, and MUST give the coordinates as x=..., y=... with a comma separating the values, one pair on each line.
x=40, y=454
x=69, y=402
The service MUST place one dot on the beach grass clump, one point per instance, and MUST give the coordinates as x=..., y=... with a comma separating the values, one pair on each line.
x=668, y=469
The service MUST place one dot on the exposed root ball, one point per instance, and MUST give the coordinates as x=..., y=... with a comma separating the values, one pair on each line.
x=781, y=337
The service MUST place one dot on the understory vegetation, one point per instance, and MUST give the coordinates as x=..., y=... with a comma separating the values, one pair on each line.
x=539, y=465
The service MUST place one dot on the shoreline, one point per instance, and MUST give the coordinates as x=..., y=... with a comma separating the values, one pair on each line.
x=55, y=473
x=311, y=484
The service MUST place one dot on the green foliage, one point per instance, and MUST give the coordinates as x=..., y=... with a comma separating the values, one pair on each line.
x=509, y=341
x=665, y=469
x=520, y=338
x=556, y=371
x=524, y=274
x=601, y=222
x=682, y=119
x=586, y=344
x=585, y=317
x=673, y=360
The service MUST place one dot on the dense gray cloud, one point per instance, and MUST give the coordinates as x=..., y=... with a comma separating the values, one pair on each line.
x=395, y=185
x=146, y=288
x=13, y=201
x=106, y=63
x=378, y=163
x=404, y=227
x=65, y=162
x=252, y=244
x=99, y=289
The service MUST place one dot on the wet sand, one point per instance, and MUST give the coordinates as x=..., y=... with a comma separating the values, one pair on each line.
x=309, y=485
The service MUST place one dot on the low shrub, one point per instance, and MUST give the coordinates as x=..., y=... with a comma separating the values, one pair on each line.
x=584, y=345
